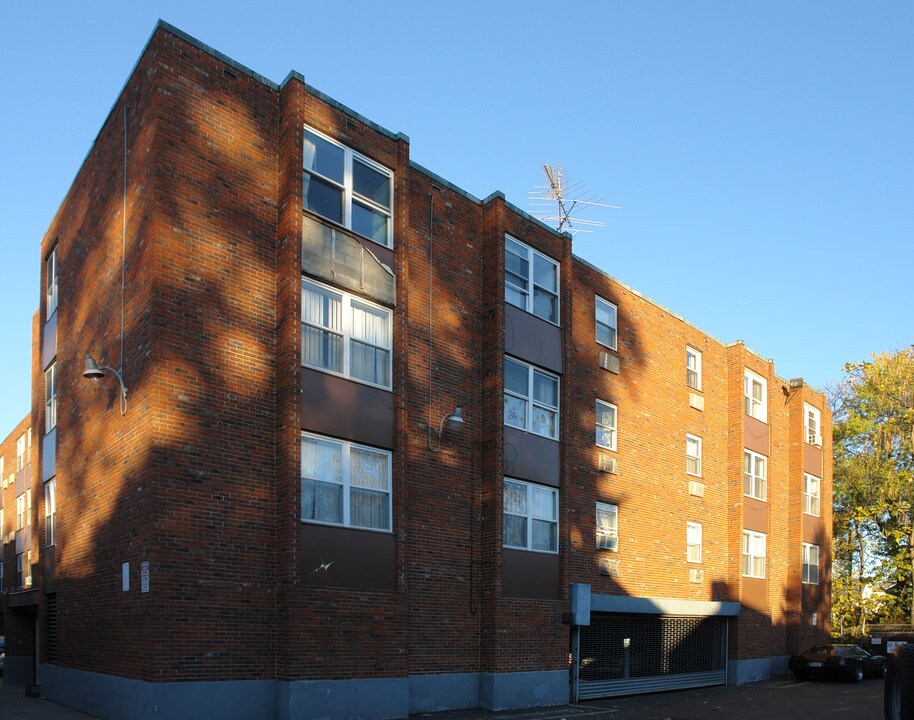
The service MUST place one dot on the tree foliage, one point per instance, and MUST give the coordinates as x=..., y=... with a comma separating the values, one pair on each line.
x=874, y=491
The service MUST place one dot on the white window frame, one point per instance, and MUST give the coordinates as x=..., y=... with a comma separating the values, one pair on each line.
x=693, y=368
x=606, y=431
x=21, y=513
x=611, y=328
x=753, y=406
x=607, y=527
x=530, y=516
x=531, y=404
x=52, y=282
x=812, y=424
x=755, y=483
x=345, y=332
x=693, y=459
x=810, y=564
x=50, y=512
x=348, y=194
x=754, y=550
x=50, y=398
x=20, y=453
x=525, y=294
x=812, y=488
x=693, y=542
x=345, y=483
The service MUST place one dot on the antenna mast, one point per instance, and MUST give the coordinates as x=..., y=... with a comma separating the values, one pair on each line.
x=565, y=198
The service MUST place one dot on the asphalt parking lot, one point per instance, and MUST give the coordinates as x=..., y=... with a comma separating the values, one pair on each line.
x=781, y=698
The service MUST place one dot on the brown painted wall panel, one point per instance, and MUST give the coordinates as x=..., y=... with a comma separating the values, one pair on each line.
x=332, y=405
x=755, y=593
x=529, y=338
x=756, y=435
x=755, y=515
x=813, y=531
x=812, y=460
x=346, y=558
x=531, y=457
x=531, y=575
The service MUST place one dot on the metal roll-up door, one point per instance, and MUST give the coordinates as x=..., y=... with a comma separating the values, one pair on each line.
x=629, y=654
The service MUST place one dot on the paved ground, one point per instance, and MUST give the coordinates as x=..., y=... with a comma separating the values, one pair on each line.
x=777, y=699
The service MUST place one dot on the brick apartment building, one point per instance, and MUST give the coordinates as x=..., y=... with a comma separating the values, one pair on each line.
x=268, y=506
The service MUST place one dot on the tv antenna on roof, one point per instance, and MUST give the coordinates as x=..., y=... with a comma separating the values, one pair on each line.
x=565, y=198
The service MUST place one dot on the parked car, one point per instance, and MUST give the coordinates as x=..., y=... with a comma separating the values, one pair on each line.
x=847, y=662
x=898, y=698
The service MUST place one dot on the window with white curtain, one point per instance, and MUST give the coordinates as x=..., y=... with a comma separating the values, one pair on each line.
x=755, y=394
x=693, y=368
x=50, y=398
x=347, y=188
x=693, y=542
x=755, y=475
x=344, y=483
x=606, y=322
x=810, y=564
x=52, y=270
x=693, y=455
x=345, y=335
x=810, y=494
x=531, y=516
x=607, y=526
x=754, y=554
x=50, y=511
x=531, y=399
x=606, y=425
x=813, y=425
x=531, y=280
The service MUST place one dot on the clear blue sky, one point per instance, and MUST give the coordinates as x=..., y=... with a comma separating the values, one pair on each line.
x=762, y=153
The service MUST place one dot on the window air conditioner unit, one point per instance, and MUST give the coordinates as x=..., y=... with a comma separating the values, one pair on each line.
x=609, y=362
x=609, y=464
x=607, y=542
x=696, y=488
x=696, y=575
x=696, y=401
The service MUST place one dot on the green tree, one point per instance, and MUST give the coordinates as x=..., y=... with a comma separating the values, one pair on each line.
x=874, y=491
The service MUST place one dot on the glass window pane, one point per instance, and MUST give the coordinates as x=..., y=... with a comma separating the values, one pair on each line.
x=368, y=469
x=545, y=273
x=370, y=325
x=606, y=335
x=518, y=267
x=545, y=389
x=515, y=531
x=543, y=503
x=606, y=314
x=321, y=460
x=515, y=297
x=371, y=184
x=323, y=157
x=545, y=305
x=516, y=378
x=515, y=412
x=606, y=520
x=544, y=535
x=543, y=421
x=606, y=415
x=369, y=509
x=515, y=498
x=370, y=222
x=370, y=364
x=321, y=349
x=321, y=307
x=322, y=198
x=321, y=501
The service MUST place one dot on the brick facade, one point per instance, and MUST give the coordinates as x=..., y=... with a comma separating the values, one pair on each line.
x=199, y=482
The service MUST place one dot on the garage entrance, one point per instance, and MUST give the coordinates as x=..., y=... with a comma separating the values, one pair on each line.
x=626, y=654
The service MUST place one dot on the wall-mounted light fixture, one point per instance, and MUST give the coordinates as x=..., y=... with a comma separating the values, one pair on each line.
x=95, y=371
x=454, y=421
